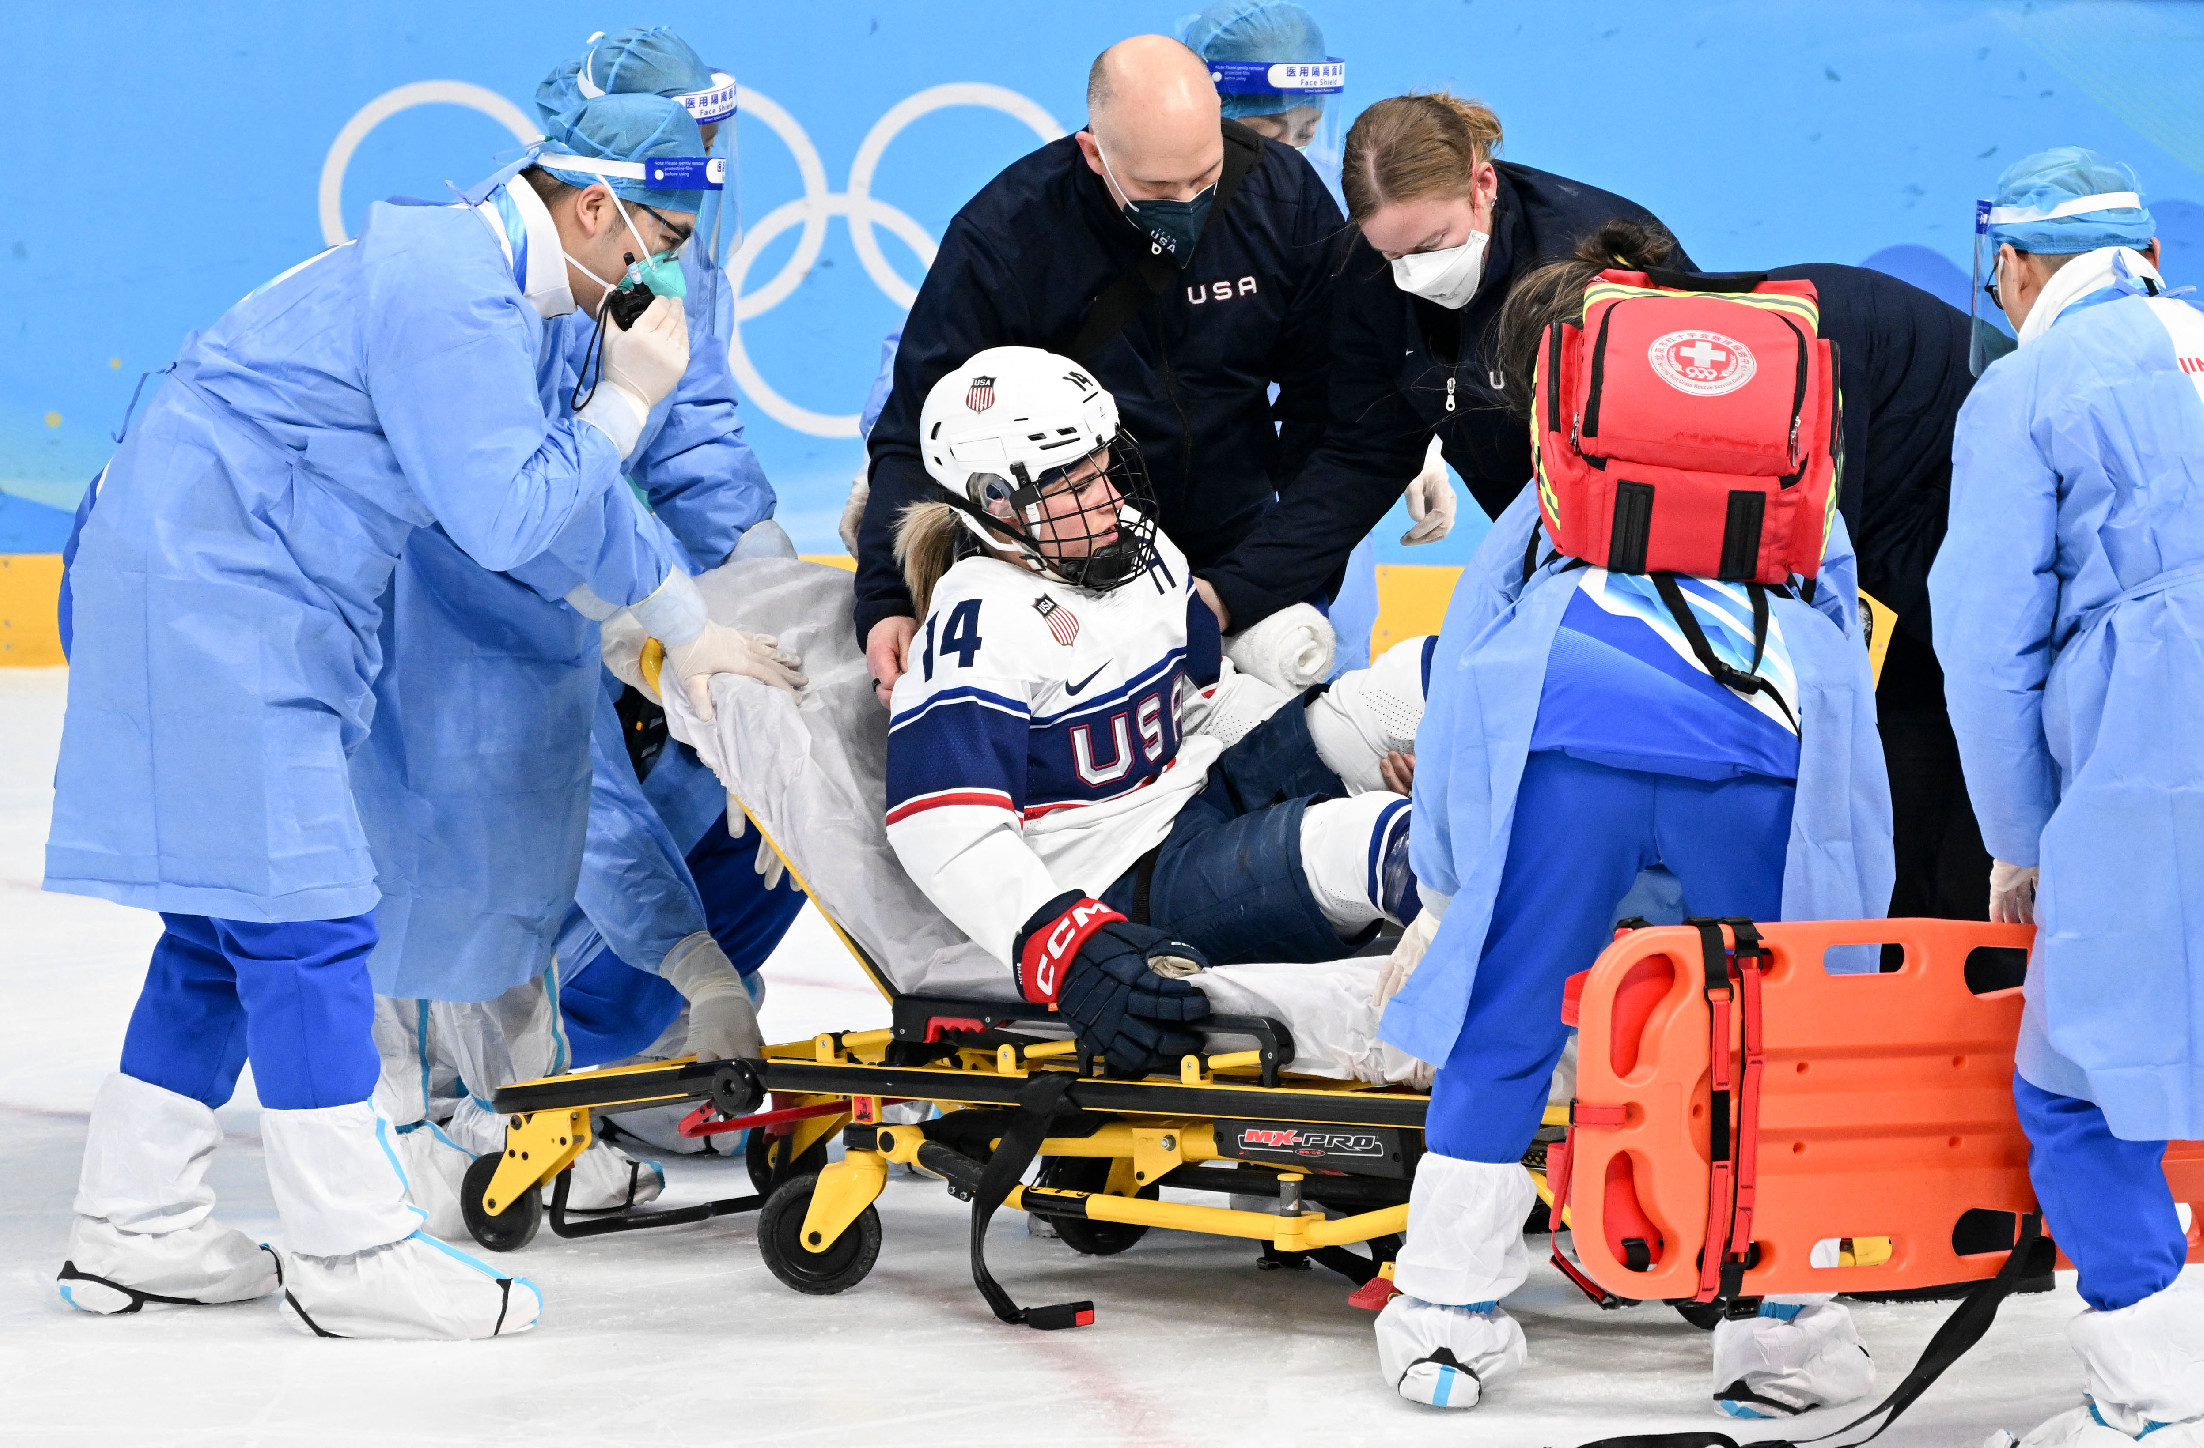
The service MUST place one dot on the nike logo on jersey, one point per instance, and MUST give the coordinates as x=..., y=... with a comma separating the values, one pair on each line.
x=1073, y=689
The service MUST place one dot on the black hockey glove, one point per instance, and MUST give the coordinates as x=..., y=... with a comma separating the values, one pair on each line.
x=1101, y=972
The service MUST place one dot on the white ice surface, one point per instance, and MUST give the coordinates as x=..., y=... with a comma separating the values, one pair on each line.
x=682, y=1336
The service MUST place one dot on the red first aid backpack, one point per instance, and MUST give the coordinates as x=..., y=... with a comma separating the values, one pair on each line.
x=1689, y=426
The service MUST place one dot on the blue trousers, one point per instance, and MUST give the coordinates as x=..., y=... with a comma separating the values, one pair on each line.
x=612, y=1010
x=1582, y=833
x=1228, y=879
x=292, y=997
x=2105, y=1200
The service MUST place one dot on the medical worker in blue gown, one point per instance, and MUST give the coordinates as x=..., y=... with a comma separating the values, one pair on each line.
x=1571, y=740
x=476, y=795
x=227, y=600
x=1242, y=40
x=2069, y=601
x=662, y=878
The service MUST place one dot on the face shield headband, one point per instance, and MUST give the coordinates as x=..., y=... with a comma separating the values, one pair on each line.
x=1084, y=547
x=719, y=219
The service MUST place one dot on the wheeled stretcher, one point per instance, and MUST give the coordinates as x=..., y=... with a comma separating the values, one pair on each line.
x=1289, y=1098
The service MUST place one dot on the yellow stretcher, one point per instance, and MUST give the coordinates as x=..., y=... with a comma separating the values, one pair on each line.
x=1338, y=1156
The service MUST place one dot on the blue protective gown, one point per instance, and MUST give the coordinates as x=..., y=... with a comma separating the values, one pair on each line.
x=476, y=793
x=1487, y=676
x=228, y=591
x=2069, y=601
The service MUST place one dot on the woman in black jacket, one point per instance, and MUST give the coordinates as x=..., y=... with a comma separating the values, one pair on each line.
x=1444, y=231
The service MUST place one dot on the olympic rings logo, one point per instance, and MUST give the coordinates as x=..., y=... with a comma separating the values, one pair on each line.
x=812, y=211
x=861, y=208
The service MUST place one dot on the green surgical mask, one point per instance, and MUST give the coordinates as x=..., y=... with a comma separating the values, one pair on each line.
x=660, y=272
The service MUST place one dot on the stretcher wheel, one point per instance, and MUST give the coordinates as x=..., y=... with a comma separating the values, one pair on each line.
x=1088, y=1174
x=511, y=1229
x=766, y=1156
x=840, y=1265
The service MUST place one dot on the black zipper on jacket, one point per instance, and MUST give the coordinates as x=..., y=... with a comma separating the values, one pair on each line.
x=1171, y=391
x=1589, y=422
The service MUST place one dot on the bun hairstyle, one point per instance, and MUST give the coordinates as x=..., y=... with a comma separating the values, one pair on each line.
x=1408, y=147
x=1555, y=293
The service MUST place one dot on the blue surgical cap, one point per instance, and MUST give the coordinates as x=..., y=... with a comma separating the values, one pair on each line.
x=1268, y=31
x=2035, y=210
x=641, y=60
x=625, y=128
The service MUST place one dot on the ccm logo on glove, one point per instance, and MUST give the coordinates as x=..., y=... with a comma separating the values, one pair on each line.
x=1050, y=944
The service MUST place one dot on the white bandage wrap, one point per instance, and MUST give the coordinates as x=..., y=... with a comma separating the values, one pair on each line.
x=618, y=413
x=674, y=614
x=1292, y=648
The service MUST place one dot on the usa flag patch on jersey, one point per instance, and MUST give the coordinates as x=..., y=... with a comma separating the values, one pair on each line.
x=1061, y=621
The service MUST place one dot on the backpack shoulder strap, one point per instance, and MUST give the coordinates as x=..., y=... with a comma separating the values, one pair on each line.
x=1115, y=305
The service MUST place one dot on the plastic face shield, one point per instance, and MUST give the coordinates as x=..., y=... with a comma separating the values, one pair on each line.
x=719, y=223
x=1312, y=120
x=1985, y=342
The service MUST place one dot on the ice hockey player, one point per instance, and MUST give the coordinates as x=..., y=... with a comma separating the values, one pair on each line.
x=1075, y=778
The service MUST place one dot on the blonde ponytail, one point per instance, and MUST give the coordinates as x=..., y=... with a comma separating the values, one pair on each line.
x=1409, y=147
x=927, y=537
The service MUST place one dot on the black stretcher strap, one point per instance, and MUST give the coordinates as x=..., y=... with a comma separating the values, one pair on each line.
x=1038, y=1106
x=1960, y=1332
x=1743, y=681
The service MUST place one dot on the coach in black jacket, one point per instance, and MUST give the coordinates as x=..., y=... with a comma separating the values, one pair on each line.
x=1031, y=261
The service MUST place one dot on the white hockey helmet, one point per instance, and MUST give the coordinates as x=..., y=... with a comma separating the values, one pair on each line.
x=1012, y=421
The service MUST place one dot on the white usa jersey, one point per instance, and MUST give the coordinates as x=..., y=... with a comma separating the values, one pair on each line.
x=1035, y=743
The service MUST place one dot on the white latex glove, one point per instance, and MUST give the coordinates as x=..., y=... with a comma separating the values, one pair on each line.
x=723, y=650
x=2012, y=893
x=647, y=360
x=768, y=862
x=723, y=1024
x=621, y=645
x=1292, y=648
x=853, y=511
x=1430, y=498
x=1407, y=954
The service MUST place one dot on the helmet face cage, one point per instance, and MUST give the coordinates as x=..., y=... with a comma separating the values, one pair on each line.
x=1082, y=547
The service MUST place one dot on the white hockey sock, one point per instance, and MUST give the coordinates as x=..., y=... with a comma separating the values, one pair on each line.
x=1369, y=713
x=1354, y=853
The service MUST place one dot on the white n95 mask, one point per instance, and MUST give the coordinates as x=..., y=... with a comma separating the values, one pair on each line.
x=1448, y=276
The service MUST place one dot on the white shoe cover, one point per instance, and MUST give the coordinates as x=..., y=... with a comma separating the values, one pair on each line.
x=415, y=1288
x=1465, y=1231
x=2145, y=1362
x=607, y=1179
x=336, y=1179
x=1793, y=1357
x=2085, y=1427
x=435, y=1168
x=1446, y=1356
x=109, y=1270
